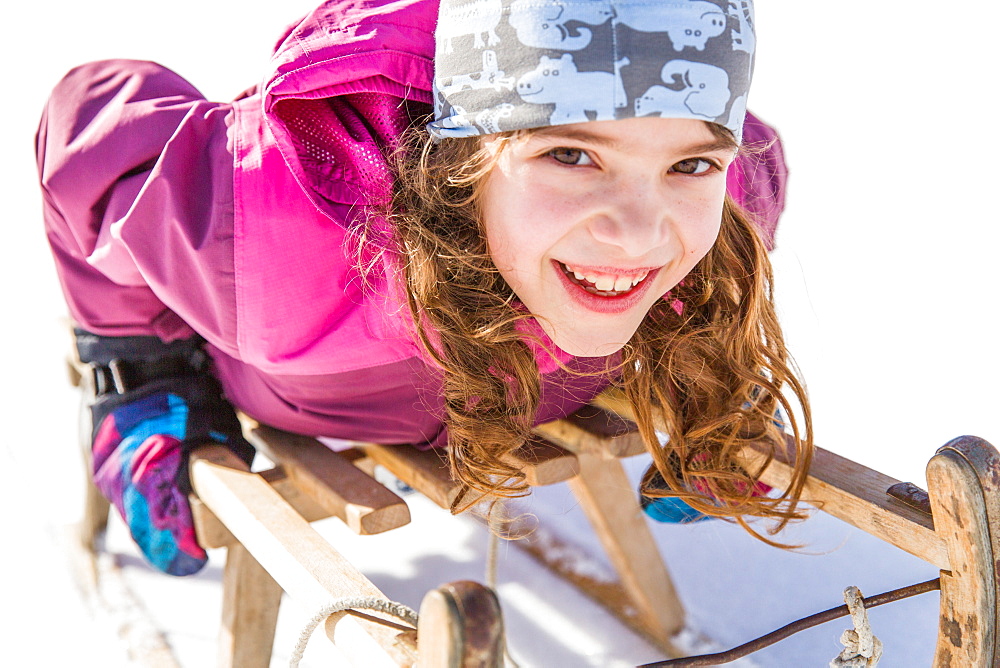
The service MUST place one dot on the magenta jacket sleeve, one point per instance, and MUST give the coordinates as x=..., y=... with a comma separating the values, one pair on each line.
x=142, y=236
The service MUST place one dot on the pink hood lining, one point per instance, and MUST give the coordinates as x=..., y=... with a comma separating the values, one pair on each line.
x=341, y=53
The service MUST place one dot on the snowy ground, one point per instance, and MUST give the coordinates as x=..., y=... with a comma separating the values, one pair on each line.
x=886, y=281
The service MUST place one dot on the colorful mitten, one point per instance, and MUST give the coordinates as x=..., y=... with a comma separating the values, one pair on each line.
x=668, y=509
x=671, y=509
x=141, y=441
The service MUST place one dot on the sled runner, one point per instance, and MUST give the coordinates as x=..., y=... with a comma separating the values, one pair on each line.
x=263, y=520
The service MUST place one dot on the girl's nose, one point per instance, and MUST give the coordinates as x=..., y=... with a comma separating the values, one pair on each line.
x=635, y=220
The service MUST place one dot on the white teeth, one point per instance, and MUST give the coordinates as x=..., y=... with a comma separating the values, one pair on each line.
x=604, y=283
x=622, y=283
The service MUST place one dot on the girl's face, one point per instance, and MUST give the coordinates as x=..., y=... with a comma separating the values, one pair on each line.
x=591, y=223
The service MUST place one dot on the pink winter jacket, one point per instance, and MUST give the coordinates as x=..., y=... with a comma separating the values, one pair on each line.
x=171, y=215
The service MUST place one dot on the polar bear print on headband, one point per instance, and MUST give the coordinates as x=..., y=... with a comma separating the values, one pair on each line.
x=557, y=81
x=544, y=27
x=695, y=88
x=491, y=76
x=701, y=21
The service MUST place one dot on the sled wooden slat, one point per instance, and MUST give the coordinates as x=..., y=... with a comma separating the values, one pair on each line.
x=964, y=485
x=543, y=463
x=608, y=498
x=213, y=533
x=339, y=486
x=304, y=504
x=426, y=471
x=210, y=531
x=299, y=559
x=857, y=495
x=593, y=430
x=845, y=489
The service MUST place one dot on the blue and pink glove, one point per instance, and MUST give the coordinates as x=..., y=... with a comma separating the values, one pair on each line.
x=671, y=509
x=157, y=404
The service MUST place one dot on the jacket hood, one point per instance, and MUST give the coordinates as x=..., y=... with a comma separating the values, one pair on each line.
x=340, y=90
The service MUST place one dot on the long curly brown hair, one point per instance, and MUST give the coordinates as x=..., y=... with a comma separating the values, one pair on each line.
x=710, y=376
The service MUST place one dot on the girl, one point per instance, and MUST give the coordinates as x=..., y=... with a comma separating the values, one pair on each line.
x=338, y=257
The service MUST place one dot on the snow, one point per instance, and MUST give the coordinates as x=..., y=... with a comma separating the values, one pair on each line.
x=885, y=281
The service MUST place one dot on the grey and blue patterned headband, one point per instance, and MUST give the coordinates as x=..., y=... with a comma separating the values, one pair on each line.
x=518, y=64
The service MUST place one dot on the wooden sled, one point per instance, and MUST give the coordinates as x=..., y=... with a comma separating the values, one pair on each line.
x=263, y=519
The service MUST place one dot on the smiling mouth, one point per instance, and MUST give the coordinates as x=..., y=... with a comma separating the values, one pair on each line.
x=602, y=284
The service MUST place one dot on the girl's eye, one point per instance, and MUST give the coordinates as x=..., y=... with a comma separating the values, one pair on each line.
x=571, y=156
x=692, y=166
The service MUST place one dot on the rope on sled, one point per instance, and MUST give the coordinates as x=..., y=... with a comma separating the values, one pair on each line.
x=861, y=648
x=392, y=608
x=794, y=627
x=490, y=575
x=397, y=610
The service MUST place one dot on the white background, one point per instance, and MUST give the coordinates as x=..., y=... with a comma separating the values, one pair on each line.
x=886, y=270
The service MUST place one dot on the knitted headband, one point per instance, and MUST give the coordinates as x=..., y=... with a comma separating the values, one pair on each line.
x=517, y=64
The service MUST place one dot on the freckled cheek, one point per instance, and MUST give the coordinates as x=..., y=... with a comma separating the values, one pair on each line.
x=701, y=231
x=498, y=240
x=515, y=252
x=537, y=220
x=706, y=240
